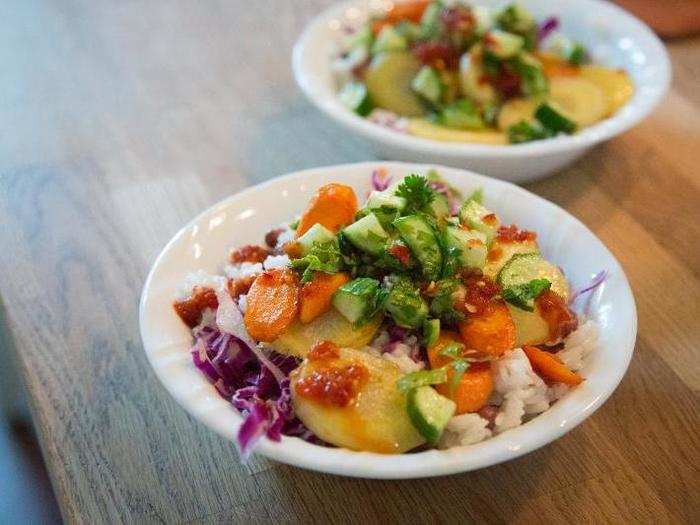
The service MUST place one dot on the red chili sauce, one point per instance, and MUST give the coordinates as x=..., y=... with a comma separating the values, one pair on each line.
x=190, y=310
x=560, y=319
x=480, y=291
x=249, y=253
x=513, y=234
x=331, y=385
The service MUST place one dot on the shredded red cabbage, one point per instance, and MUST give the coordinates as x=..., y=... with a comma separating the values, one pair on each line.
x=251, y=386
x=380, y=179
x=444, y=189
x=597, y=280
x=546, y=28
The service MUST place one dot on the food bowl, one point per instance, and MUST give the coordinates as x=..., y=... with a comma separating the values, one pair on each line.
x=245, y=218
x=613, y=37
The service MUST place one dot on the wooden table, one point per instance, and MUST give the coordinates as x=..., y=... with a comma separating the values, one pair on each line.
x=121, y=121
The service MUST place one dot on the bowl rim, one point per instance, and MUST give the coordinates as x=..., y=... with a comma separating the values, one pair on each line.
x=294, y=451
x=618, y=123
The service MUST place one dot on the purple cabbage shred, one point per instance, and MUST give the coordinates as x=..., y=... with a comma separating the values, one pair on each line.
x=547, y=27
x=380, y=180
x=241, y=378
x=594, y=283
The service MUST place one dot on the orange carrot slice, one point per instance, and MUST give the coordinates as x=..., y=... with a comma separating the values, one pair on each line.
x=316, y=295
x=333, y=206
x=490, y=332
x=550, y=367
x=476, y=384
x=411, y=11
x=272, y=304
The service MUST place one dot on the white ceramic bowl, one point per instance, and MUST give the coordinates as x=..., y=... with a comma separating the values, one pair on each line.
x=613, y=37
x=245, y=218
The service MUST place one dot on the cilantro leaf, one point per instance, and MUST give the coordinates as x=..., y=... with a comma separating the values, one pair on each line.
x=459, y=366
x=322, y=257
x=453, y=350
x=417, y=192
x=523, y=295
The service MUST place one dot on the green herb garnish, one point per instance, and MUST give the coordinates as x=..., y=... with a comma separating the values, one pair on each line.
x=422, y=378
x=417, y=192
x=322, y=257
x=523, y=295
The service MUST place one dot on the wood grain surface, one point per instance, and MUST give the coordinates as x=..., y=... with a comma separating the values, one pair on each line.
x=122, y=120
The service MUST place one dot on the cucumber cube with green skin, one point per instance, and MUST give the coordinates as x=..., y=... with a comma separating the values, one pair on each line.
x=430, y=22
x=477, y=217
x=354, y=97
x=317, y=234
x=469, y=246
x=356, y=299
x=439, y=207
x=551, y=118
x=423, y=243
x=429, y=412
x=389, y=39
x=503, y=44
x=431, y=332
x=367, y=234
x=428, y=85
x=406, y=305
x=461, y=114
x=516, y=18
x=381, y=199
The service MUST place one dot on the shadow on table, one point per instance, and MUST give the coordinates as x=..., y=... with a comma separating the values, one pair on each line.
x=25, y=490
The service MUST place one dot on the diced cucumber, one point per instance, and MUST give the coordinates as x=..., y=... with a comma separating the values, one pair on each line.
x=356, y=299
x=533, y=81
x=430, y=22
x=429, y=412
x=461, y=114
x=524, y=131
x=439, y=207
x=469, y=246
x=423, y=243
x=381, y=199
x=316, y=234
x=503, y=44
x=500, y=252
x=389, y=39
x=367, y=234
x=431, y=332
x=526, y=267
x=479, y=218
x=354, y=97
x=428, y=85
x=388, y=79
x=406, y=305
x=516, y=18
x=408, y=30
x=554, y=119
x=483, y=19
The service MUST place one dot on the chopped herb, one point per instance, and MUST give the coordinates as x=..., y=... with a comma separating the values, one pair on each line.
x=525, y=131
x=405, y=304
x=442, y=305
x=422, y=378
x=417, y=192
x=453, y=350
x=459, y=366
x=577, y=55
x=322, y=257
x=477, y=196
x=523, y=295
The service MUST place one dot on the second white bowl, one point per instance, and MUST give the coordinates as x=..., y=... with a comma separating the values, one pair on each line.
x=613, y=37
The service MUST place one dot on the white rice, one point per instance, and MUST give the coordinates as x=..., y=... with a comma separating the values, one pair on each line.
x=242, y=303
x=202, y=279
x=242, y=270
x=578, y=345
x=466, y=429
x=275, y=261
x=285, y=236
x=401, y=357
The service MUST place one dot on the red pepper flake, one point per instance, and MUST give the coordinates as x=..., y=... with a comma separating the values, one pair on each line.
x=561, y=320
x=436, y=54
x=490, y=219
x=272, y=236
x=458, y=18
x=513, y=234
x=190, y=310
x=335, y=386
x=401, y=252
x=238, y=287
x=479, y=292
x=494, y=254
x=249, y=253
x=323, y=350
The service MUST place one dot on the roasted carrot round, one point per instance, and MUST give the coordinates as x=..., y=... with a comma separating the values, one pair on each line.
x=316, y=295
x=411, y=10
x=491, y=332
x=476, y=384
x=333, y=206
x=550, y=367
x=272, y=304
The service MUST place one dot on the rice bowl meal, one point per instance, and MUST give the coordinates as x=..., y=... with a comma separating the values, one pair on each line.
x=455, y=72
x=416, y=320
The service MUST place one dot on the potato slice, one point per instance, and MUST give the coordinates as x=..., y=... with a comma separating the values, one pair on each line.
x=579, y=99
x=615, y=84
x=376, y=420
x=298, y=339
x=423, y=128
x=388, y=80
x=515, y=110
